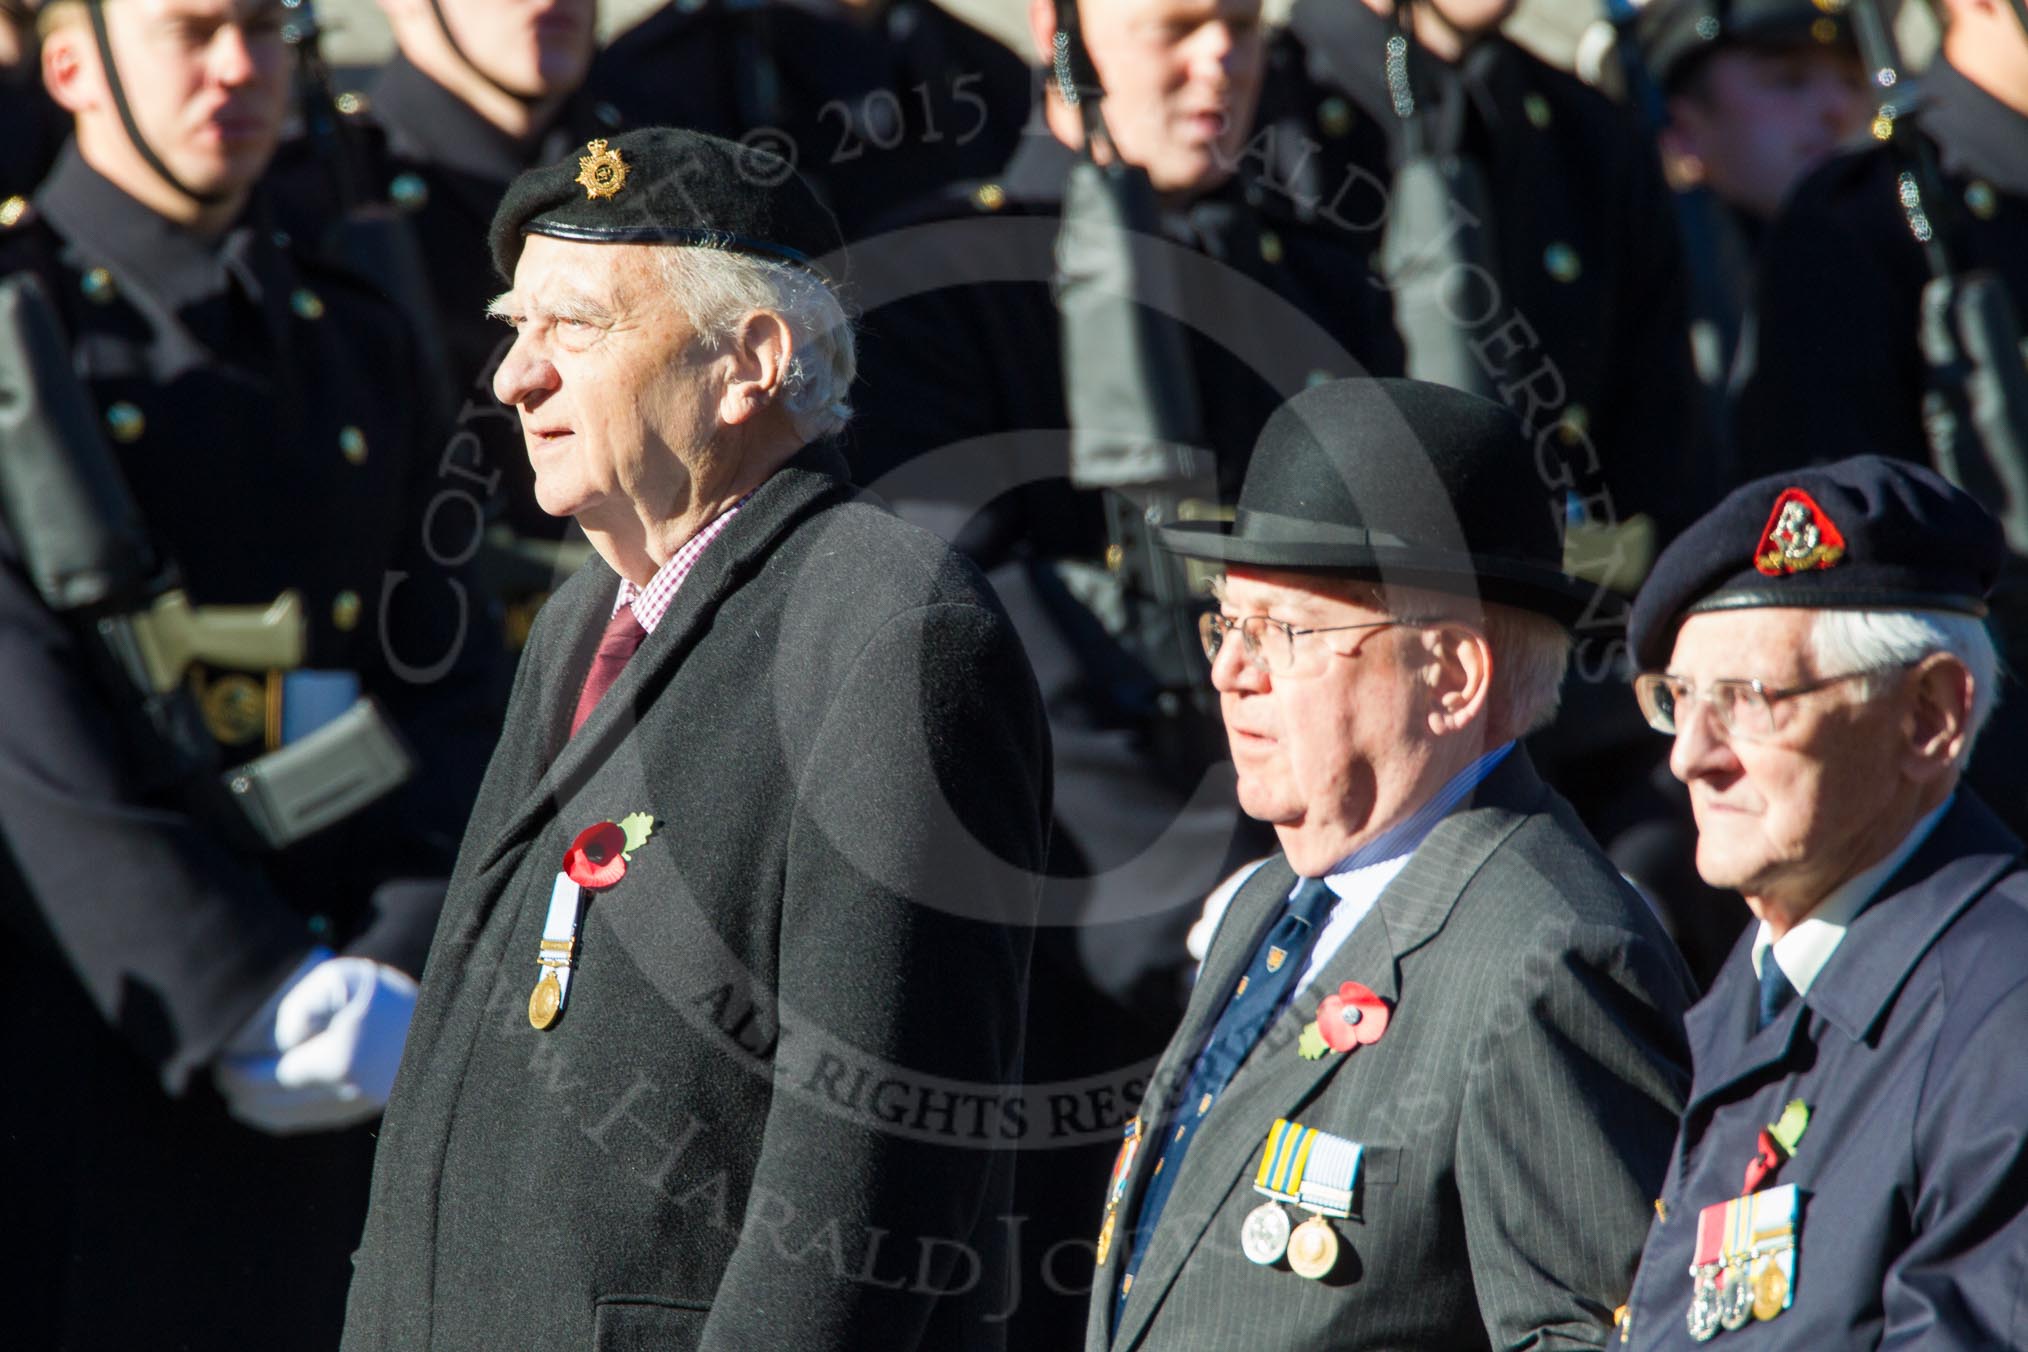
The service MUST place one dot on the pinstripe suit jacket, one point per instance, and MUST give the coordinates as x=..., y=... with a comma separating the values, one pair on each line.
x=1517, y=1114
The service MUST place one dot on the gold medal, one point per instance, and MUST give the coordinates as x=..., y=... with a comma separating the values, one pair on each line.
x=1105, y=1239
x=1313, y=1249
x=1770, y=1291
x=546, y=1000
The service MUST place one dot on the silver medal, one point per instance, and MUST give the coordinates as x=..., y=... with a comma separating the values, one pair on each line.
x=1703, y=1314
x=1264, y=1238
x=1735, y=1304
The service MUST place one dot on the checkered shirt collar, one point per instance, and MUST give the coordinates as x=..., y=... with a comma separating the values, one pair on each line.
x=651, y=602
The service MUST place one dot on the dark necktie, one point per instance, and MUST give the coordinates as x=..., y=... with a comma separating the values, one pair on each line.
x=1775, y=990
x=622, y=636
x=1278, y=961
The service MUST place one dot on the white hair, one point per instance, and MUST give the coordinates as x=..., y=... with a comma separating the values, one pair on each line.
x=716, y=289
x=1531, y=652
x=1876, y=640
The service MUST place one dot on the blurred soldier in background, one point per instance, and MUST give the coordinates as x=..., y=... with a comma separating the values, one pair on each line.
x=220, y=960
x=476, y=92
x=979, y=361
x=33, y=128
x=1841, y=366
x=1866, y=342
x=1567, y=302
x=1756, y=95
x=876, y=102
x=1521, y=223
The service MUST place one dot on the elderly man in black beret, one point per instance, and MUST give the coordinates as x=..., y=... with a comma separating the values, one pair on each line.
x=1426, y=1084
x=713, y=1044
x=1851, y=1169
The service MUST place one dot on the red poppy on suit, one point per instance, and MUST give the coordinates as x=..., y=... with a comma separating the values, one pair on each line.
x=597, y=858
x=1354, y=1017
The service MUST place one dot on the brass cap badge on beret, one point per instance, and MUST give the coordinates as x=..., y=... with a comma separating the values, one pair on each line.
x=1798, y=537
x=602, y=172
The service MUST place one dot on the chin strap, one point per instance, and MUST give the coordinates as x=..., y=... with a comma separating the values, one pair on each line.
x=444, y=27
x=1075, y=77
x=96, y=8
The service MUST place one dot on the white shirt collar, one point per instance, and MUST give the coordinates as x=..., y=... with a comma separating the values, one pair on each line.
x=1809, y=944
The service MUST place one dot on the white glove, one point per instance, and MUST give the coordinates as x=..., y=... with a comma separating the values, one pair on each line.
x=322, y=1052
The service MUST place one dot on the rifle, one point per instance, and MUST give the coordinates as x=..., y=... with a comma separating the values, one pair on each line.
x=1439, y=223
x=1975, y=400
x=1136, y=431
x=90, y=557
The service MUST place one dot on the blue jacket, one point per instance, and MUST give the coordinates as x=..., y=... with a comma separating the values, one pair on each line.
x=1911, y=1052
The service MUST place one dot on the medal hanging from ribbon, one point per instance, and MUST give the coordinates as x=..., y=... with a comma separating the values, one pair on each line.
x=1313, y=1170
x=596, y=860
x=1116, y=1190
x=558, y=953
x=1745, y=1263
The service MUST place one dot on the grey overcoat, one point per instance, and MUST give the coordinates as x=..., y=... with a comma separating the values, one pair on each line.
x=772, y=1112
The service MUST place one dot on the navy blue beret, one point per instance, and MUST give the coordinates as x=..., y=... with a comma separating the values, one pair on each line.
x=1867, y=533
x=660, y=185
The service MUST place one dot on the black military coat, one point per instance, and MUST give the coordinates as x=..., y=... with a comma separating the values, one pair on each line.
x=1839, y=367
x=1840, y=370
x=427, y=159
x=874, y=106
x=263, y=411
x=1583, y=241
x=961, y=425
x=774, y=1112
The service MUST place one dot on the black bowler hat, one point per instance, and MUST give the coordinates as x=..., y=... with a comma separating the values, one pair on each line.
x=1404, y=482
x=1675, y=35
x=659, y=185
x=1867, y=533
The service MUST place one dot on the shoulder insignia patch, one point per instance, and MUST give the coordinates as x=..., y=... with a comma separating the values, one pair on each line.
x=1798, y=538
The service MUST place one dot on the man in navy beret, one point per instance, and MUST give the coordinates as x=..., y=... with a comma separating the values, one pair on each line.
x=715, y=1042
x=1850, y=1170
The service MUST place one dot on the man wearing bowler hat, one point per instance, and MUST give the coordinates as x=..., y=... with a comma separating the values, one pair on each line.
x=1851, y=1170
x=717, y=1036
x=1425, y=1088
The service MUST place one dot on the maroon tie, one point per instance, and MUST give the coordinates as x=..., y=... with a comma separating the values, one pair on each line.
x=623, y=635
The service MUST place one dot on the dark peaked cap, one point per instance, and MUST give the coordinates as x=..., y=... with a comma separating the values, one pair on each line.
x=659, y=185
x=1404, y=482
x=1868, y=533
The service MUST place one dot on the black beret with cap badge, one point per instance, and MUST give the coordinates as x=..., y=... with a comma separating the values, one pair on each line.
x=662, y=185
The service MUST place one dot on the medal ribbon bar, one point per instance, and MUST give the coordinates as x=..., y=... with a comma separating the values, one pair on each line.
x=559, y=934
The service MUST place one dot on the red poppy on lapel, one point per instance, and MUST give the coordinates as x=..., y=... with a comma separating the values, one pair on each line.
x=598, y=857
x=1354, y=1017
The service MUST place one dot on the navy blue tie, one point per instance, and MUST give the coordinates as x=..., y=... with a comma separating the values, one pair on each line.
x=1278, y=961
x=1775, y=990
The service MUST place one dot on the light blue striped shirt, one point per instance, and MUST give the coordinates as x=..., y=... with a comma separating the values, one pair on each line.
x=1361, y=878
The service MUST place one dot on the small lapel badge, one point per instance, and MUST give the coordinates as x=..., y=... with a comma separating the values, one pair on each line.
x=1798, y=538
x=601, y=172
